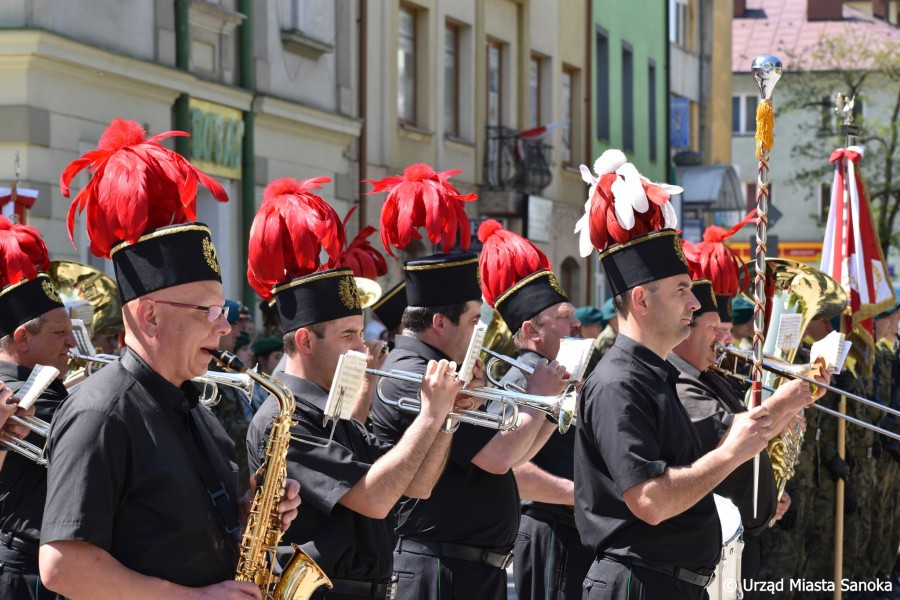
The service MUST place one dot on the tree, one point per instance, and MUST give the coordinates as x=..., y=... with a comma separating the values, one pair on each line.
x=854, y=64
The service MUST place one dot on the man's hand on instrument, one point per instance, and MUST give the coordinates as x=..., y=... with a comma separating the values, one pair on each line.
x=784, y=503
x=795, y=426
x=287, y=508
x=548, y=379
x=439, y=388
x=8, y=408
x=228, y=590
x=749, y=433
x=796, y=393
x=376, y=353
x=465, y=402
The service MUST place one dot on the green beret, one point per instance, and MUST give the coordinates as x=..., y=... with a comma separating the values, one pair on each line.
x=588, y=315
x=741, y=310
x=234, y=311
x=889, y=311
x=608, y=310
x=266, y=345
x=243, y=339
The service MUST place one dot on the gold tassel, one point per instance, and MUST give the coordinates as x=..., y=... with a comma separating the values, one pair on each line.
x=765, y=122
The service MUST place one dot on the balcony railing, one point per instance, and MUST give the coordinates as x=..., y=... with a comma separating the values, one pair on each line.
x=513, y=163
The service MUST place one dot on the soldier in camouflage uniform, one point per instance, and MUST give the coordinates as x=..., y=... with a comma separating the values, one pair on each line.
x=882, y=547
x=232, y=408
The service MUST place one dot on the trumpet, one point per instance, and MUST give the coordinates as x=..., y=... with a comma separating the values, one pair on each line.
x=561, y=407
x=25, y=448
x=211, y=380
x=497, y=359
x=788, y=371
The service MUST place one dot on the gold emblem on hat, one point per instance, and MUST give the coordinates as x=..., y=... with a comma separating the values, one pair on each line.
x=348, y=293
x=715, y=302
x=211, y=256
x=554, y=283
x=50, y=291
x=679, y=250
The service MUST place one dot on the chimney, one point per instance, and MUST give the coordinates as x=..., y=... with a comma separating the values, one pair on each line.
x=740, y=7
x=879, y=9
x=824, y=10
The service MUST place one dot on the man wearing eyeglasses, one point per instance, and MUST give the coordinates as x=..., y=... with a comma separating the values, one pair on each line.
x=142, y=488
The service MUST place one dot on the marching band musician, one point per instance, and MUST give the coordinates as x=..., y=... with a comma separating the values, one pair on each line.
x=446, y=548
x=142, y=484
x=36, y=330
x=712, y=403
x=549, y=559
x=350, y=486
x=642, y=483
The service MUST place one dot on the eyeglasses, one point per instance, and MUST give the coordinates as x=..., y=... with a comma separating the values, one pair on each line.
x=212, y=312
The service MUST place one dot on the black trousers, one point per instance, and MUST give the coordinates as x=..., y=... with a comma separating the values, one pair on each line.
x=549, y=560
x=421, y=577
x=19, y=578
x=610, y=580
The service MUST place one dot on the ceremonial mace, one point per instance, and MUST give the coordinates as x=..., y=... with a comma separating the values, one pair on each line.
x=766, y=71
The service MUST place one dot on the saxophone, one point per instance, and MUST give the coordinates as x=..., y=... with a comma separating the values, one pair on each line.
x=262, y=533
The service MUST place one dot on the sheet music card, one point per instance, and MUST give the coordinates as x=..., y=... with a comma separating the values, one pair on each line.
x=348, y=379
x=789, y=332
x=40, y=379
x=472, y=354
x=82, y=338
x=574, y=354
x=832, y=349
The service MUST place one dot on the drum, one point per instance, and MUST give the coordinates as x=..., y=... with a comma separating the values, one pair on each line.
x=727, y=583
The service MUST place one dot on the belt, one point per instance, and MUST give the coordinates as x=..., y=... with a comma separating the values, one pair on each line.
x=549, y=516
x=458, y=551
x=364, y=589
x=679, y=573
x=24, y=546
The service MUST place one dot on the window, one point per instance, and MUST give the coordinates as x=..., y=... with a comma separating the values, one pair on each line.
x=406, y=67
x=750, y=191
x=494, y=83
x=308, y=16
x=824, y=201
x=743, y=114
x=627, y=98
x=602, y=85
x=651, y=108
x=534, y=92
x=451, y=80
x=678, y=22
x=565, y=151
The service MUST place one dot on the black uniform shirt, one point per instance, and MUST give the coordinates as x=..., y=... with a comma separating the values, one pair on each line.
x=23, y=482
x=711, y=403
x=122, y=476
x=557, y=456
x=631, y=428
x=467, y=505
x=346, y=544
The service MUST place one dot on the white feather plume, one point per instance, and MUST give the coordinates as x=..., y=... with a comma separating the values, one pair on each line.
x=609, y=162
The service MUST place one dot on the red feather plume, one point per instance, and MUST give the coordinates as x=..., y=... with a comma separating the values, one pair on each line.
x=605, y=229
x=712, y=259
x=289, y=232
x=137, y=185
x=422, y=197
x=360, y=255
x=506, y=258
x=22, y=252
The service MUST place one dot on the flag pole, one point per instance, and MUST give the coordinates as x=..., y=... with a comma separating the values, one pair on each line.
x=766, y=71
x=843, y=108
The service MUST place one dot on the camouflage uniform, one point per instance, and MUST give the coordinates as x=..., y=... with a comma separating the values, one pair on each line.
x=882, y=548
x=232, y=412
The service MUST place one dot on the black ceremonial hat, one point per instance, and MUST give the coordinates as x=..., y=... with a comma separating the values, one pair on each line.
x=317, y=298
x=442, y=279
x=724, y=306
x=165, y=257
x=703, y=291
x=389, y=309
x=528, y=297
x=26, y=300
x=644, y=259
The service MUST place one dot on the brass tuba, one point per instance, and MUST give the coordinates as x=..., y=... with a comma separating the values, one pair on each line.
x=302, y=576
x=807, y=291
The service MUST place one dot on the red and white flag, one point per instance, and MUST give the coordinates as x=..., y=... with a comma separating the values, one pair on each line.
x=851, y=253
